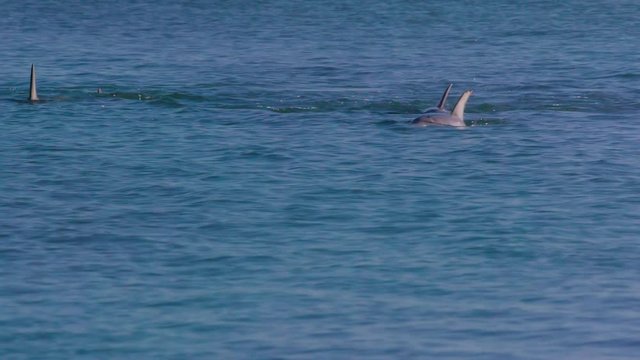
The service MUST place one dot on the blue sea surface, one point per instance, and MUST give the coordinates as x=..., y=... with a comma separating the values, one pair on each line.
x=248, y=185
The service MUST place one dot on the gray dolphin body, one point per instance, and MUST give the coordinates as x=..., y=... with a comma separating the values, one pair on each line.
x=33, y=92
x=440, y=116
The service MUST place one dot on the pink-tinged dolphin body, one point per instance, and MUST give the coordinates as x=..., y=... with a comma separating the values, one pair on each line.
x=440, y=116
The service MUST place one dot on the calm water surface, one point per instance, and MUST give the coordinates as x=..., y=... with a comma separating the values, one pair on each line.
x=248, y=185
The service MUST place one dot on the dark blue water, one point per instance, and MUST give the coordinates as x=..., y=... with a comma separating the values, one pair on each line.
x=248, y=185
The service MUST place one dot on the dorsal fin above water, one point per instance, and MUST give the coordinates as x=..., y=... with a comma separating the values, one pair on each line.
x=33, y=92
x=443, y=100
x=458, y=110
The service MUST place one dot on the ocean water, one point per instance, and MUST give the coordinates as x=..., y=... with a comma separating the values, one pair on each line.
x=248, y=184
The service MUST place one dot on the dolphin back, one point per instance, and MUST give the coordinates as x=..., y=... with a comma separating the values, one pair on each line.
x=443, y=99
x=458, y=110
x=33, y=92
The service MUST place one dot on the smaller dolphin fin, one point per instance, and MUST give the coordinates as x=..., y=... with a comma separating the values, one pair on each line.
x=458, y=110
x=33, y=93
x=443, y=100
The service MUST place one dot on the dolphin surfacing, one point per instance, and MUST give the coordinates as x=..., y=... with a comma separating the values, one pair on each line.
x=33, y=92
x=440, y=116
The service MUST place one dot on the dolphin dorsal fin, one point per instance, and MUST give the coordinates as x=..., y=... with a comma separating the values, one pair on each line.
x=458, y=110
x=33, y=93
x=443, y=100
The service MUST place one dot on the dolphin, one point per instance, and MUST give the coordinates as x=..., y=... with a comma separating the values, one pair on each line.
x=442, y=103
x=440, y=116
x=33, y=93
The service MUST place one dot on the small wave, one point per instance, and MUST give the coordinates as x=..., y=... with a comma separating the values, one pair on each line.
x=620, y=75
x=486, y=122
x=350, y=105
x=170, y=99
x=83, y=94
x=292, y=109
